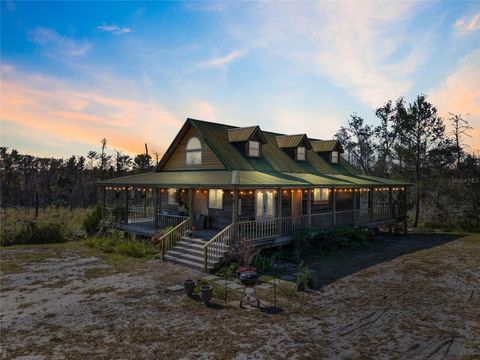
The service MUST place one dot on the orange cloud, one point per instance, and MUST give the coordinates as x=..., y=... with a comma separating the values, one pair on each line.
x=49, y=106
x=460, y=94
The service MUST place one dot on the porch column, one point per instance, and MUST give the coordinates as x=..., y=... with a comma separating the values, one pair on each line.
x=235, y=216
x=354, y=206
x=279, y=210
x=334, y=206
x=309, y=207
x=104, y=201
x=191, y=209
x=156, y=203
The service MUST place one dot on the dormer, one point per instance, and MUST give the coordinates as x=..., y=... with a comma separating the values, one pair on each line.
x=247, y=140
x=294, y=145
x=330, y=150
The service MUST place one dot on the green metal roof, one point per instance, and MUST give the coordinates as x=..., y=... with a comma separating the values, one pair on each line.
x=292, y=141
x=244, y=134
x=274, y=168
x=323, y=145
x=242, y=178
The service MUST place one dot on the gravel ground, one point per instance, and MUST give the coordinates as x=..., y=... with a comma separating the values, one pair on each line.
x=410, y=297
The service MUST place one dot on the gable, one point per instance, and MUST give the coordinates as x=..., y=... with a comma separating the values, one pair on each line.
x=176, y=157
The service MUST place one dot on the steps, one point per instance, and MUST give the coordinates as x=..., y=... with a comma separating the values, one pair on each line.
x=189, y=252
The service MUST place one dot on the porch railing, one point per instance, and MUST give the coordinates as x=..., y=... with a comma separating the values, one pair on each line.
x=217, y=246
x=170, y=239
x=258, y=230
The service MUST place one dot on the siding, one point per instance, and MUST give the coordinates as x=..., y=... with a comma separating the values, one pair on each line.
x=177, y=160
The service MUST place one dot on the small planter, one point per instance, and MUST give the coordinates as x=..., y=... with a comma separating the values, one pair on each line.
x=189, y=286
x=206, y=294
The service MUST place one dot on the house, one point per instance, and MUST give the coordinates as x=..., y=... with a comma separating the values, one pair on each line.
x=227, y=183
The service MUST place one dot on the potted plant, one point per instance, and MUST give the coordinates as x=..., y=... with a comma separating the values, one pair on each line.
x=189, y=287
x=206, y=294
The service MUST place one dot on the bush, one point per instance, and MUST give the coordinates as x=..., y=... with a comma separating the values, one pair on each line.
x=31, y=232
x=91, y=223
x=344, y=237
x=131, y=248
x=228, y=271
x=263, y=264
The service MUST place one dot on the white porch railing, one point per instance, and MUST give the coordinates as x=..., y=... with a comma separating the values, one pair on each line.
x=217, y=246
x=170, y=239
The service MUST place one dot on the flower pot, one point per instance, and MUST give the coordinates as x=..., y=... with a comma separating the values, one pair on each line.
x=206, y=294
x=189, y=286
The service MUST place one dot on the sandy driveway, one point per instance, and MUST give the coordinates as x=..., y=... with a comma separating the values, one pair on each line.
x=67, y=301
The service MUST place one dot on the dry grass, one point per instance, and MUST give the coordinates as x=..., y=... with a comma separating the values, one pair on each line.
x=423, y=304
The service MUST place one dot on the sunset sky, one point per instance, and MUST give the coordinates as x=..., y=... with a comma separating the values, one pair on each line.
x=73, y=73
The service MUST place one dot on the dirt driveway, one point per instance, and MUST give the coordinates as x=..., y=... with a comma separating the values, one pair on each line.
x=68, y=301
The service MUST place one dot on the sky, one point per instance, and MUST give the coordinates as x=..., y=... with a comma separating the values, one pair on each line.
x=73, y=73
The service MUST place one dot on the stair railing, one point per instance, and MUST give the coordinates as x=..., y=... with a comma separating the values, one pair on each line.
x=170, y=238
x=217, y=246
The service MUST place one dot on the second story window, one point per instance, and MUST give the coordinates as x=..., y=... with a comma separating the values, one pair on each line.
x=301, y=153
x=334, y=157
x=194, y=152
x=254, y=148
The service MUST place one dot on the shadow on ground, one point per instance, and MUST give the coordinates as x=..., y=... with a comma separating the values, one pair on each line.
x=384, y=247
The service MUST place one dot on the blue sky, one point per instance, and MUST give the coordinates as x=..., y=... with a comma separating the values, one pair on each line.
x=75, y=72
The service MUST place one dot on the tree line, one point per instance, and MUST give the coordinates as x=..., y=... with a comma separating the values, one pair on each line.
x=31, y=181
x=413, y=143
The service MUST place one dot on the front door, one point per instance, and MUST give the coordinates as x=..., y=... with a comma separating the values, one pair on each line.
x=200, y=206
x=264, y=204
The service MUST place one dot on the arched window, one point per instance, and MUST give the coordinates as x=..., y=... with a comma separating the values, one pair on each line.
x=194, y=151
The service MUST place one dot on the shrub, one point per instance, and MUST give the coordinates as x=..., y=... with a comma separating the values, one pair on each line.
x=32, y=232
x=91, y=223
x=132, y=248
x=228, y=271
x=263, y=264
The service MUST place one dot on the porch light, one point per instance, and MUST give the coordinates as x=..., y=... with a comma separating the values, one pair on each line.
x=241, y=192
x=284, y=191
x=250, y=192
x=231, y=192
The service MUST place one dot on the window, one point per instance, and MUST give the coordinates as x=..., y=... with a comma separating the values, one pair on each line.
x=254, y=148
x=320, y=195
x=194, y=151
x=301, y=153
x=215, y=199
x=334, y=157
x=172, y=196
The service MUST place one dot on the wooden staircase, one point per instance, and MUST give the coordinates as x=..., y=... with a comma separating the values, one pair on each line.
x=189, y=251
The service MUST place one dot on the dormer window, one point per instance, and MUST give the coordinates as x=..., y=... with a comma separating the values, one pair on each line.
x=253, y=148
x=334, y=157
x=301, y=153
x=194, y=152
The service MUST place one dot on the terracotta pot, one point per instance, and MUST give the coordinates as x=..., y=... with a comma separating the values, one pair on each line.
x=189, y=286
x=206, y=294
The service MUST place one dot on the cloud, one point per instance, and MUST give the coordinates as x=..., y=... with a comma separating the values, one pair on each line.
x=367, y=48
x=46, y=105
x=222, y=61
x=467, y=24
x=57, y=44
x=114, y=29
x=460, y=94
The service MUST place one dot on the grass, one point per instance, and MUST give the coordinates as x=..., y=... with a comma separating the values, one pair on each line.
x=130, y=248
x=20, y=226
